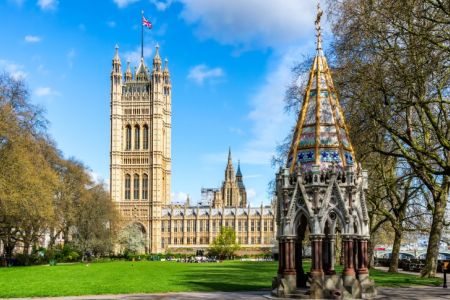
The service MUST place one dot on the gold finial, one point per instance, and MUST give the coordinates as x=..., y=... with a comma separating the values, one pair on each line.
x=318, y=28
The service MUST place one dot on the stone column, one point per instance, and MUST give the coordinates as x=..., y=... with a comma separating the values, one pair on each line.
x=332, y=245
x=348, y=256
x=316, y=247
x=289, y=258
x=363, y=256
x=328, y=255
x=289, y=273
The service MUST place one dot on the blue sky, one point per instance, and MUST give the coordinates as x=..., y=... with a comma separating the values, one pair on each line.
x=230, y=63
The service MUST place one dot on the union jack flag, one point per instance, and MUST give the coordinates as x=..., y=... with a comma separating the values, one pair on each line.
x=146, y=23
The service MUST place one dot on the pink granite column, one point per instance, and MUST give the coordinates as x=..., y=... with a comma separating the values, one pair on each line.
x=363, y=256
x=348, y=256
x=316, y=249
x=290, y=257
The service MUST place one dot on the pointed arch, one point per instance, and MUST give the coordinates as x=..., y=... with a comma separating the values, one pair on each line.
x=128, y=137
x=145, y=137
x=144, y=187
x=137, y=137
x=127, y=186
x=136, y=187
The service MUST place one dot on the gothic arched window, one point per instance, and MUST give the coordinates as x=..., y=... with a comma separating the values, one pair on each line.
x=127, y=187
x=145, y=137
x=128, y=138
x=137, y=137
x=136, y=187
x=145, y=187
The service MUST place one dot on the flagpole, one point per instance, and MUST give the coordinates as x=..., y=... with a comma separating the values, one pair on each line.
x=142, y=34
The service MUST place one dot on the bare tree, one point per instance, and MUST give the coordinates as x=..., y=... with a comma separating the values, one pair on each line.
x=393, y=57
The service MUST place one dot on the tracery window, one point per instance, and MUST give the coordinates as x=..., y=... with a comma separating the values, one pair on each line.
x=136, y=187
x=137, y=136
x=145, y=187
x=128, y=138
x=145, y=137
x=127, y=187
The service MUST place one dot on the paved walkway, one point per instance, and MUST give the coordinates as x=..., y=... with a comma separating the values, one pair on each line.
x=415, y=293
x=438, y=274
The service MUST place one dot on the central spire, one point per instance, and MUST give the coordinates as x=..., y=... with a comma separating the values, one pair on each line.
x=321, y=136
x=319, y=29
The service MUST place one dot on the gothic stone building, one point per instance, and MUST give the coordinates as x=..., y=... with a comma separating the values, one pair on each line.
x=141, y=171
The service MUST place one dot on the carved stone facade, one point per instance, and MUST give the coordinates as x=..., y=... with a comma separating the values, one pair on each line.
x=140, y=167
x=322, y=190
x=186, y=226
x=141, y=171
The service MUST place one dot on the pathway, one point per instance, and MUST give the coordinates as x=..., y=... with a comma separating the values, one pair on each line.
x=413, y=293
x=438, y=274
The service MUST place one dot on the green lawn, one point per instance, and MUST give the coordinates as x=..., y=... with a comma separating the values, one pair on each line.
x=123, y=277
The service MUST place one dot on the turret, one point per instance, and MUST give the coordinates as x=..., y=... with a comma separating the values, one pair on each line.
x=229, y=171
x=241, y=186
x=166, y=73
x=116, y=72
x=157, y=60
x=128, y=74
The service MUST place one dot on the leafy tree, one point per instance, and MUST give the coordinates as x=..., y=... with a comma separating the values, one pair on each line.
x=93, y=225
x=26, y=179
x=71, y=188
x=132, y=239
x=393, y=58
x=224, y=245
x=40, y=191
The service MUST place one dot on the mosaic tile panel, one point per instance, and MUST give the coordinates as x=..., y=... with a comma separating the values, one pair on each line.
x=348, y=158
x=344, y=138
x=310, y=117
x=306, y=156
x=329, y=156
x=326, y=116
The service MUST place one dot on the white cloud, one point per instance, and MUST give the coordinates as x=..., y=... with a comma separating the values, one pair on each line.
x=134, y=57
x=45, y=91
x=251, y=23
x=270, y=122
x=162, y=5
x=32, y=39
x=47, y=4
x=179, y=197
x=71, y=57
x=251, y=193
x=111, y=24
x=124, y=3
x=202, y=72
x=15, y=70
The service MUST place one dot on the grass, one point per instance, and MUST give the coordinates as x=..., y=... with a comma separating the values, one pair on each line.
x=122, y=277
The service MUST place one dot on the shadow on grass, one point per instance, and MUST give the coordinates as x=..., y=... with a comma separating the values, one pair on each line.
x=387, y=279
x=229, y=277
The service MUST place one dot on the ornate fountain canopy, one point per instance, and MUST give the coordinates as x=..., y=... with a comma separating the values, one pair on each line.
x=321, y=135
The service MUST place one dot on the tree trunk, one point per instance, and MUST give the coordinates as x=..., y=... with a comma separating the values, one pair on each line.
x=393, y=266
x=26, y=247
x=437, y=225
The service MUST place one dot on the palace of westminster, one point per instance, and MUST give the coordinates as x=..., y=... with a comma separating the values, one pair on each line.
x=141, y=172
